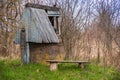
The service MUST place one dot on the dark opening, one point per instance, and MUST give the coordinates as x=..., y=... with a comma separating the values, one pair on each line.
x=51, y=20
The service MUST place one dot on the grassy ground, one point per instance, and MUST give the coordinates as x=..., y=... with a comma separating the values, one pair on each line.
x=13, y=70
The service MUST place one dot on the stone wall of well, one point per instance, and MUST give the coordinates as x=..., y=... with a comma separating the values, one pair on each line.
x=41, y=52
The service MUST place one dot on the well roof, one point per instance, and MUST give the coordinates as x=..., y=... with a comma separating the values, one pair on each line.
x=38, y=27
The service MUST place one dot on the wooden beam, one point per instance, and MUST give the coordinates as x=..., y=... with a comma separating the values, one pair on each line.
x=66, y=61
x=42, y=7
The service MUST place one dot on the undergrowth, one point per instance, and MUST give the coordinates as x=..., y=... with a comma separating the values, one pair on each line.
x=14, y=70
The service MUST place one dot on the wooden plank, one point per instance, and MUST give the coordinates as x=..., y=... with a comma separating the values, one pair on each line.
x=66, y=61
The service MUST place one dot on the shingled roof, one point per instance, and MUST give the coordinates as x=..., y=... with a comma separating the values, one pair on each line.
x=38, y=27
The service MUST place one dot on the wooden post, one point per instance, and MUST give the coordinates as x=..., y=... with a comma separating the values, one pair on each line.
x=27, y=53
x=53, y=66
x=59, y=28
x=23, y=44
x=81, y=65
x=55, y=23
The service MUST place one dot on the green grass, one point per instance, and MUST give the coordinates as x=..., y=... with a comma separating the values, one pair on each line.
x=13, y=70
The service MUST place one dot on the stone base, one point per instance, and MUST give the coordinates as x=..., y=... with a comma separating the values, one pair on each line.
x=41, y=52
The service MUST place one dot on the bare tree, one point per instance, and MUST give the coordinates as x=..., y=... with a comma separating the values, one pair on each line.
x=8, y=24
x=108, y=21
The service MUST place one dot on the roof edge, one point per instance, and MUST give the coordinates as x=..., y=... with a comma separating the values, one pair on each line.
x=38, y=6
